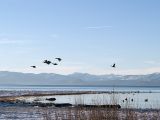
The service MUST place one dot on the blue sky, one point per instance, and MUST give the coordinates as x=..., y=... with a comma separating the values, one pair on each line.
x=89, y=35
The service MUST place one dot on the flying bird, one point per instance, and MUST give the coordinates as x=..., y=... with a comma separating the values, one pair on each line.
x=33, y=66
x=114, y=65
x=47, y=62
x=54, y=63
x=59, y=59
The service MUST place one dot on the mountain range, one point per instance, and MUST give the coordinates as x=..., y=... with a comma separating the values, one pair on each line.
x=17, y=78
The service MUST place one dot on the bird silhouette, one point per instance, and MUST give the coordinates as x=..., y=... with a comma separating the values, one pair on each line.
x=47, y=62
x=54, y=63
x=33, y=66
x=114, y=65
x=59, y=59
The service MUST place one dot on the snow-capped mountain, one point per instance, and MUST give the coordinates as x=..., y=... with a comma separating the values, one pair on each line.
x=78, y=79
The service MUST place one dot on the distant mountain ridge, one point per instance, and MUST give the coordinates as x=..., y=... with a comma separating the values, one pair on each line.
x=78, y=79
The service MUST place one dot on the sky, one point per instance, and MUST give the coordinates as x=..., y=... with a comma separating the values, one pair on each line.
x=89, y=35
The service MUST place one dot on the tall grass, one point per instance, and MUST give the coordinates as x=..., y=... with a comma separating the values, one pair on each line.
x=100, y=113
x=96, y=113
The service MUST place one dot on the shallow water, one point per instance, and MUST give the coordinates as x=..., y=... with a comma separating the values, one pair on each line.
x=77, y=88
x=138, y=94
x=138, y=99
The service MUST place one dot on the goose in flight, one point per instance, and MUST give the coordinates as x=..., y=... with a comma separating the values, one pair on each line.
x=33, y=66
x=114, y=65
x=47, y=62
x=59, y=59
x=54, y=63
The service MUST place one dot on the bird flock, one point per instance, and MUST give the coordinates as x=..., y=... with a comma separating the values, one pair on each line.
x=48, y=62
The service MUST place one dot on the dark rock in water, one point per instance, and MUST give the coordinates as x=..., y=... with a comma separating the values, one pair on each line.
x=102, y=106
x=63, y=105
x=42, y=104
x=51, y=99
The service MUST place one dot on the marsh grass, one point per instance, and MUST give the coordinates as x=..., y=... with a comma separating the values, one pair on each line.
x=77, y=113
x=100, y=113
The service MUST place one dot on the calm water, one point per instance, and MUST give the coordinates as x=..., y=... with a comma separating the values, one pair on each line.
x=150, y=93
x=77, y=88
x=138, y=99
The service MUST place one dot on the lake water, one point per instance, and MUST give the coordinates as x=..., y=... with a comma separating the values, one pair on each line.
x=138, y=94
x=119, y=98
x=77, y=88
